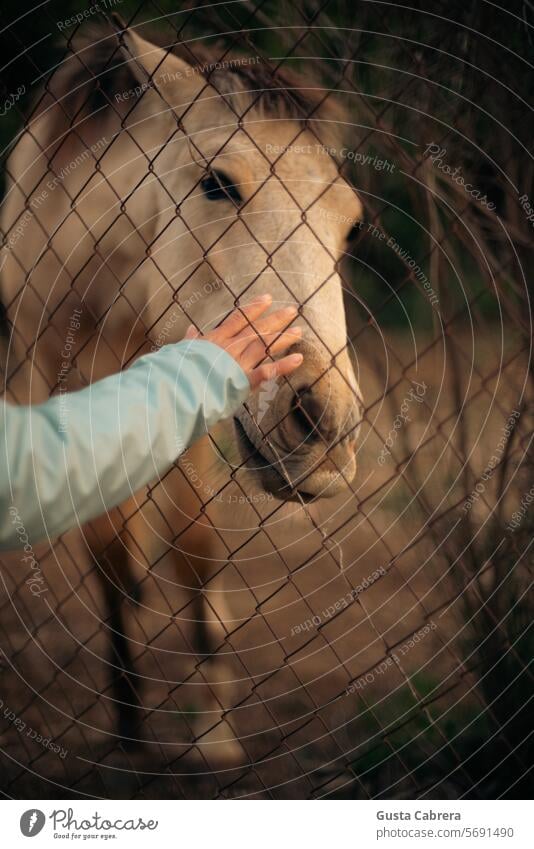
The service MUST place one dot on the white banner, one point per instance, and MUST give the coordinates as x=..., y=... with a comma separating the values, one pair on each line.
x=261, y=825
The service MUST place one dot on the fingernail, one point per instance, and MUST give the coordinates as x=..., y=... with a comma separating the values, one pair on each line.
x=264, y=298
x=296, y=358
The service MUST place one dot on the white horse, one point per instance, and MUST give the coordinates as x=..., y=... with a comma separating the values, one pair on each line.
x=148, y=192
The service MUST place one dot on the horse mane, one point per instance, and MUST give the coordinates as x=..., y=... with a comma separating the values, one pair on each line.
x=89, y=77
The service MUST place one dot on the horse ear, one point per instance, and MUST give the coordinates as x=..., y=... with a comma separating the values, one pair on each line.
x=146, y=60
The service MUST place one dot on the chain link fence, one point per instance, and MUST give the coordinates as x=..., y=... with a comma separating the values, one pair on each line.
x=327, y=597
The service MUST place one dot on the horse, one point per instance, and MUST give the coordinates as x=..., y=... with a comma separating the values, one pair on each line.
x=154, y=187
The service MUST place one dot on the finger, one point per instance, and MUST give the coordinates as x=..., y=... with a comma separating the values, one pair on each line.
x=192, y=332
x=266, y=329
x=270, y=371
x=277, y=320
x=240, y=318
x=273, y=343
x=281, y=341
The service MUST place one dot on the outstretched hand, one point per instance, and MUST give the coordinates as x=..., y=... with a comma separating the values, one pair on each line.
x=250, y=340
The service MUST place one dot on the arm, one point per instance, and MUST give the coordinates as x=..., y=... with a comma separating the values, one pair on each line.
x=61, y=467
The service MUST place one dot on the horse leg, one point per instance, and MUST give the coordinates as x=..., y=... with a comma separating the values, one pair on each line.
x=117, y=580
x=209, y=620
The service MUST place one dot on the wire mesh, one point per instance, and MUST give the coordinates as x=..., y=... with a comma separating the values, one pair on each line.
x=227, y=633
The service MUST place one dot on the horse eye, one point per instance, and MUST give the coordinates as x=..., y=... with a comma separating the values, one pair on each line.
x=354, y=234
x=217, y=186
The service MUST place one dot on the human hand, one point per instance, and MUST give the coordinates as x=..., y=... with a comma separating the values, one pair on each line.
x=250, y=340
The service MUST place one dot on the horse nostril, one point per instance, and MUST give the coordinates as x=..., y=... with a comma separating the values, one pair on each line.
x=309, y=414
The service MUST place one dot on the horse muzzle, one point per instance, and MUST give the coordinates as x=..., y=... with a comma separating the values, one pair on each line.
x=300, y=436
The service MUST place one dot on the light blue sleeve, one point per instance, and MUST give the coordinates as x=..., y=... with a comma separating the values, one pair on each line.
x=79, y=454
